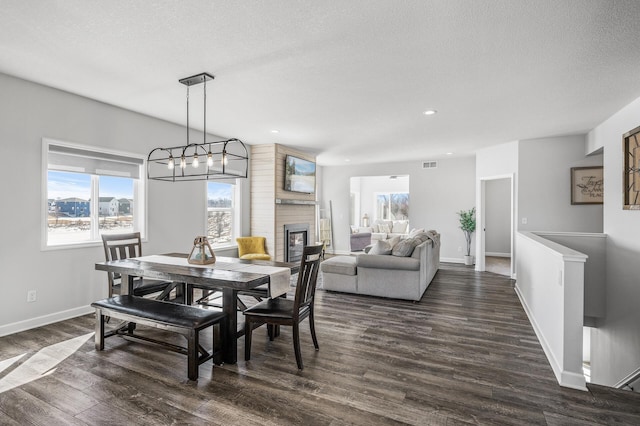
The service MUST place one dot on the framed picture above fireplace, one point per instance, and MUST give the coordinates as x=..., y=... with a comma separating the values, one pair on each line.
x=299, y=175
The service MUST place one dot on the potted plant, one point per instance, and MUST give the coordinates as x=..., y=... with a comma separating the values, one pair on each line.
x=468, y=226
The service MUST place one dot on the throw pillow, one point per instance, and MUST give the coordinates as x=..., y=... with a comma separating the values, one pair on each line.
x=381, y=247
x=394, y=240
x=384, y=228
x=400, y=227
x=404, y=248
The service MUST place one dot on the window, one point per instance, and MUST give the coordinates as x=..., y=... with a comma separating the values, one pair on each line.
x=90, y=192
x=392, y=206
x=222, y=217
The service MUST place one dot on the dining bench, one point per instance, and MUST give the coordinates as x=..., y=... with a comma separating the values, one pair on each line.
x=183, y=319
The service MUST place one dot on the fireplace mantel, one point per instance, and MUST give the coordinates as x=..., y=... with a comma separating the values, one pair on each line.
x=296, y=202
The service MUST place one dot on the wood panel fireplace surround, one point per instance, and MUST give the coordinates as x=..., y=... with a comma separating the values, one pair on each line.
x=296, y=236
x=272, y=207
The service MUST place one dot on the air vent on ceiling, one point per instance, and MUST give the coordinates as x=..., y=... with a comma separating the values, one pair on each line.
x=429, y=164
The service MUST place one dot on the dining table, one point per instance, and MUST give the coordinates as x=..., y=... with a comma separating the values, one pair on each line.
x=228, y=274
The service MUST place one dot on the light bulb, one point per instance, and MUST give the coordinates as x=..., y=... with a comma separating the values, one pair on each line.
x=195, y=162
x=210, y=159
x=171, y=164
x=224, y=158
x=183, y=162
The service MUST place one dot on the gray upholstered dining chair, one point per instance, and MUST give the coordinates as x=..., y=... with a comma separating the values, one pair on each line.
x=283, y=311
x=124, y=246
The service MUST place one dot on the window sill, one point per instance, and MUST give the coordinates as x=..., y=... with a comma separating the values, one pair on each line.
x=224, y=247
x=70, y=246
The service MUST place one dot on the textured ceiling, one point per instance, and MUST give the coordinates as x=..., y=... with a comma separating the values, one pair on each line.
x=344, y=79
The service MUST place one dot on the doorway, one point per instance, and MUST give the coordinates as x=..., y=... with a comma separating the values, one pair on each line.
x=495, y=238
x=378, y=198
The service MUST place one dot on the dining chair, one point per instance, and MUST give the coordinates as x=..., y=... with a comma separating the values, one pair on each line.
x=124, y=246
x=288, y=312
x=254, y=248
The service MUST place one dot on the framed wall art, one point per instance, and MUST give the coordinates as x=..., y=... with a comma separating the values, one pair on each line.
x=631, y=170
x=587, y=185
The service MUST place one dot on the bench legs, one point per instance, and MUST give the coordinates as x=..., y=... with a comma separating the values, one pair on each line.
x=196, y=354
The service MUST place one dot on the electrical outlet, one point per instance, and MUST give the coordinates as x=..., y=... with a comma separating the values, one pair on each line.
x=524, y=220
x=31, y=296
x=460, y=249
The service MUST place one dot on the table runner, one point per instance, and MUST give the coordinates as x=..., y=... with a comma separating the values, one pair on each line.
x=279, y=278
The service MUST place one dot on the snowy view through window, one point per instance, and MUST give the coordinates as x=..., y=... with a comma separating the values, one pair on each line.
x=220, y=204
x=70, y=218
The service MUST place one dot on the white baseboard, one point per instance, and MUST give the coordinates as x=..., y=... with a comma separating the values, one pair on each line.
x=568, y=379
x=342, y=252
x=452, y=259
x=19, y=326
x=496, y=254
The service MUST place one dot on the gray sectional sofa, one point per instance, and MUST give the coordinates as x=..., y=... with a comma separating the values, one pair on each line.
x=385, y=275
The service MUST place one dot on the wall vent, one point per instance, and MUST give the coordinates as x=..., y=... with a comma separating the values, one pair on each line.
x=429, y=164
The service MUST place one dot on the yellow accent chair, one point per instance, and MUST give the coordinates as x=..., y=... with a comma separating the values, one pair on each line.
x=254, y=248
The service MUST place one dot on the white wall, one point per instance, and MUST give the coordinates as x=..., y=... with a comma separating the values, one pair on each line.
x=498, y=160
x=616, y=342
x=435, y=197
x=65, y=280
x=544, y=196
x=498, y=217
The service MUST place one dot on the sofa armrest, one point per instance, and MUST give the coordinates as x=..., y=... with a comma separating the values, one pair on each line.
x=384, y=261
x=359, y=241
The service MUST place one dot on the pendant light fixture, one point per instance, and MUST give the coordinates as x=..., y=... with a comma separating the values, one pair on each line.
x=199, y=161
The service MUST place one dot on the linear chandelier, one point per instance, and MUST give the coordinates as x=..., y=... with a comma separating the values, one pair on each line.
x=199, y=161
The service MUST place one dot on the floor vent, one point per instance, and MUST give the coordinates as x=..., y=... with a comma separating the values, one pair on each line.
x=429, y=164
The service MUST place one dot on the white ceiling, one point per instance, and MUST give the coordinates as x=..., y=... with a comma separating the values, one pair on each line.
x=344, y=79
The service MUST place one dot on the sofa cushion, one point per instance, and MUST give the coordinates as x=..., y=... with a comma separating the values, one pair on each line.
x=344, y=265
x=380, y=224
x=405, y=247
x=381, y=247
x=388, y=262
x=384, y=228
x=362, y=229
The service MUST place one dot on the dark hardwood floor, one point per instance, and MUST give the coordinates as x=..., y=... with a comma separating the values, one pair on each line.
x=465, y=354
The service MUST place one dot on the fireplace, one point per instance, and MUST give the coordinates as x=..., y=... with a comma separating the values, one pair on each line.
x=296, y=236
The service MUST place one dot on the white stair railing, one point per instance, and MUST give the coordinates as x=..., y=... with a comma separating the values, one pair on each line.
x=628, y=382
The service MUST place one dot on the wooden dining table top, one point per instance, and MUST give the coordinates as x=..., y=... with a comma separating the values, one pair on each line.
x=195, y=274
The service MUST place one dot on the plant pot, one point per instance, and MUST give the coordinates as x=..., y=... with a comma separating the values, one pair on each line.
x=468, y=260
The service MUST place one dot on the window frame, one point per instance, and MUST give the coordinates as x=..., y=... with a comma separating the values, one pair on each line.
x=236, y=209
x=140, y=219
x=388, y=194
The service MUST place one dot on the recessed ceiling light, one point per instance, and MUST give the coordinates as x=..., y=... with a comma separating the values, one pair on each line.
x=347, y=160
x=274, y=131
x=430, y=112
x=449, y=153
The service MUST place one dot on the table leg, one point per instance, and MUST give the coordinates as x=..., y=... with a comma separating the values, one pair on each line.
x=230, y=307
x=126, y=287
x=188, y=297
x=126, y=284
